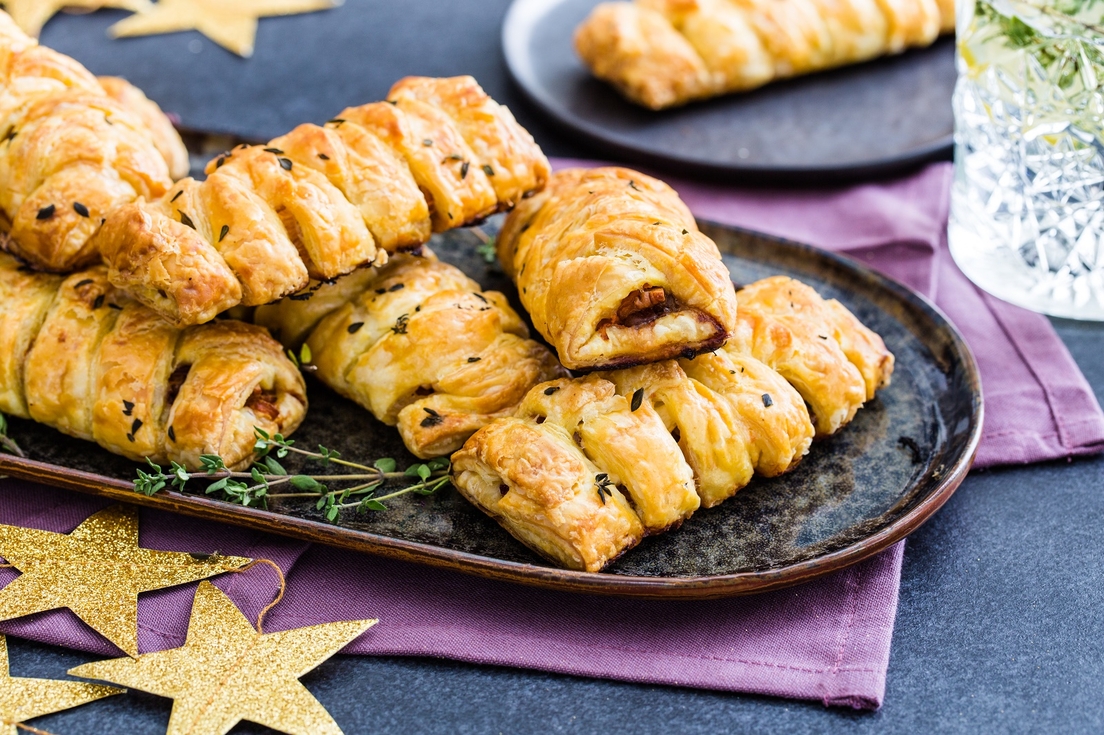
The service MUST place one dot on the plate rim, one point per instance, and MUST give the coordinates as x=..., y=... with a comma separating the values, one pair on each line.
x=521, y=15
x=564, y=580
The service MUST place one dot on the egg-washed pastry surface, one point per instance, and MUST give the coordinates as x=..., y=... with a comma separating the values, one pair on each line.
x=663, y=53
x=418, y=344
x=79, y=355
x=73, y=148
x=588, y=466
x=322, y=201
x=613, y=271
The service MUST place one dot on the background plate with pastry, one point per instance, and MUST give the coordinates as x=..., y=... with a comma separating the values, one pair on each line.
x=853, y=121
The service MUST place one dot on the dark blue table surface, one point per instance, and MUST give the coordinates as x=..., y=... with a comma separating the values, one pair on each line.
x=1000, y=626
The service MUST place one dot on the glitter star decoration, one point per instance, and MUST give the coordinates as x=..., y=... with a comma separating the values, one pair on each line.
x=22, y=699
x=231, y=24
x=31, y=15
x=97, y=572
x=227, y=672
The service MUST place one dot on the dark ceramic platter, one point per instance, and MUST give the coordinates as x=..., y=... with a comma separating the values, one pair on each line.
x=852, y=496
x=872, y=119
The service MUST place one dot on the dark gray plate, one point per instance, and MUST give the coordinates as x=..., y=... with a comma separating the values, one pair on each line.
x=852, y=496
x=872, y=119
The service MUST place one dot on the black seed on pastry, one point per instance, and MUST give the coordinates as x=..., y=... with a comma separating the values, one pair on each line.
x=474, y=359
x=277, y=151
x=221, y=160
x=427, y=142
x=128, y=407
x=224, y=232
x=116, y=307
x=186, y=221
x=336, y=122
x=130, y=437
x=397, y=287
x=481, y=297
x=46, y=212
x=98, y=302
x=176, y=196
x=135, y=426
x=464, y=169
x=637, y=399
x=82, y=284
x=767, y=400
x=488, y=170
x=354, y=327
x=323, y=156
x=633, y=185
x=80, y=209
x=301, y=296
x=686, y=232
x=172, y=434
x=550, y=391
x=285, y=163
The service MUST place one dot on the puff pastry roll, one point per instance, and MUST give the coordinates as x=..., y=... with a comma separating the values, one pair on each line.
x=418, y=344
x=614, y=272
x=80, y=356
x=833, y=360
x=322, y=201
x=651, y=439
x=72, y=149
x=663, y=53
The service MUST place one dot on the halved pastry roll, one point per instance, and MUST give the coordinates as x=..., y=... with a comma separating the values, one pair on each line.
x=72, y=149
x=614, y=272
x=81, y=356
x=418, y=344
x=833, y=360
x=322, y=201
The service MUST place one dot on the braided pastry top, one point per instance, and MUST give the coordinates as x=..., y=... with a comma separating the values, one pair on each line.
x=72, y=149
x=611, y=267
x=619, y=454
x=324, y=200
x=79, y=355
x=662, y=53
x=418, y=344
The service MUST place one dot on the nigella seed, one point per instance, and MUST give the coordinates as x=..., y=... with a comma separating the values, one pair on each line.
x=481, y=297
x=135, y=426
x=633, y=185
x=80, y=209
x=82, y=284
x=116, y=307
x=98, y=302
x=430, y=411
x=277, y=151
x=300, y=296
x=172, y=434
x=397, y=287
x=821, y=336
x=128, y=407
x=767, y=400
x=46, y=212
x=488, y=170
x=354, y=327
x=221, y=160
x=130, y=437
x=464, y=169
x=637, y=399
x=432, y=420
x=285, y=163
x=474, y=359
x=224, y=232
x=176, y=196
x=686, y=232
x=186, y=221
x=550, y=391
x=323, y=156
x=336, y=122
x=427, y=142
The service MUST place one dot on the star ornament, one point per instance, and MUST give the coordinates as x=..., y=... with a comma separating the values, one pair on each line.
x=22, y=699
x=227, y=672
x=231, y=24
x=31, y=15
x=97, y=571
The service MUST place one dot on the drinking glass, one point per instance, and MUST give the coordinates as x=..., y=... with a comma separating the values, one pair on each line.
x=1027, y=205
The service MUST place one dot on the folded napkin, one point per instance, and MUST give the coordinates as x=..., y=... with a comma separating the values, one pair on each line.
x=825, y=640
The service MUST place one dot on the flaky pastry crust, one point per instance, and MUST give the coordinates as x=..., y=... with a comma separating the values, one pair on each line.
x=663, y=53
x=418, y=344
x=84, y=358
x=613, y=271
x=322, y=201
x=72, y=149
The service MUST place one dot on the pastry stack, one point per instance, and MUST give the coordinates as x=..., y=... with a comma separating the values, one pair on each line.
x=687, y=388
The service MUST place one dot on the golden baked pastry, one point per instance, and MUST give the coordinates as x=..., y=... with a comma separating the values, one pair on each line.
x=79, y=355
x=72, y=149
x=322, y=201
x=614, y=272
x=582, y=457
x=833, y=360
x=663, y=53
x=418, y=344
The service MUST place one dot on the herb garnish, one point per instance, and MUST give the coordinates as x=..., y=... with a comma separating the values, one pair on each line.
x=433, y=419
x=603, y=483
x=255, y=486
x=401, y=324
x=8, y=444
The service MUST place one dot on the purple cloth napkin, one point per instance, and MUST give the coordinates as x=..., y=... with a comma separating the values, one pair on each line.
x=826, y=640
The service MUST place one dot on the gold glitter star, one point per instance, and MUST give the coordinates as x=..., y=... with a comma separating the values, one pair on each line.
x=227, y=672
x=231, y=24
x=97, y=572
x=31, y=15
x=22, y=699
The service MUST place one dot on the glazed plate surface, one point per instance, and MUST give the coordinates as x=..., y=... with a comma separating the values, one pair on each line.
x=872, y=119
x=852, y=496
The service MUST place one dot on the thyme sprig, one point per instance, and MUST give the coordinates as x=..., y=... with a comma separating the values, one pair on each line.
x=486, y=247
x=8, y=444
x=268, y=480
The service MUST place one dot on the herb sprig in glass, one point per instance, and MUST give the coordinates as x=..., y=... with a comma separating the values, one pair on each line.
x=268, y=480
x=7, y=444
